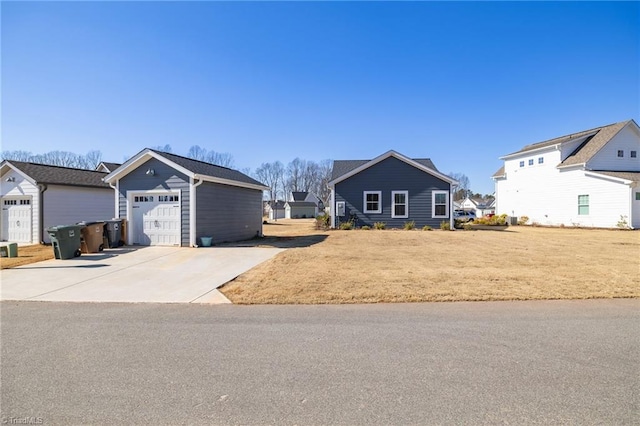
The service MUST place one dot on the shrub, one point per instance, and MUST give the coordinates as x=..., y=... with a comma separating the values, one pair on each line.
x=622, y=223
x=323, y=221
x=445, y=226
x=522, y=220
x=346, y=226
x=427, y=228
x=379, y=225
x=365, y=228
x=467, y=226
x=408, y=226
x=493, y=220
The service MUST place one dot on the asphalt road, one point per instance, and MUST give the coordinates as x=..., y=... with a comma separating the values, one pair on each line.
x=555, y=362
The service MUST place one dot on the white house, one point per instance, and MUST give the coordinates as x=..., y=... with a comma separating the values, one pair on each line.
x=479, y=206
x=590, y=178
x=35, y=197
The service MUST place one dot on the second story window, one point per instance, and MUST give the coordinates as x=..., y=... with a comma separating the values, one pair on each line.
x=634, y=154
x=540, y=160
x=620, y=153
x=522, y=164
x=531, y=162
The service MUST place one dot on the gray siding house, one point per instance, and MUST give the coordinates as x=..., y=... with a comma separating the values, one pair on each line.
x=391, y=188
x=172, y=200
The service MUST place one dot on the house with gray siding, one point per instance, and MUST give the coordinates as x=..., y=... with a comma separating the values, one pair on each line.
x=391, y=188
x=172, y=200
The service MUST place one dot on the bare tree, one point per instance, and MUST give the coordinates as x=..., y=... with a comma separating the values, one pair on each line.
x=223, y=159
x=197, y=153
x=165, y=148
x=272, y=175
x=57, y=158
x=295, y=172
x=463, y=188
x=321, y=186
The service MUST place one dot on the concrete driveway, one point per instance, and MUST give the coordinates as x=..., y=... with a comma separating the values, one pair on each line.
x=148, y=274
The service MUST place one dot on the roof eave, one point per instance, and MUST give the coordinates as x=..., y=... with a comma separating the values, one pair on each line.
x=139, y=159
x=400, y=157
x=230, y=182
x=554, y=147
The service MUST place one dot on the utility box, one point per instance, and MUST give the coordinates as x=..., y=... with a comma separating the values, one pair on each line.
x=9, y=250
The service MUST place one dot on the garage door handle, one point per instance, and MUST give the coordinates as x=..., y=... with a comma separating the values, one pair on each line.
x=17, y=223
x=157, y=224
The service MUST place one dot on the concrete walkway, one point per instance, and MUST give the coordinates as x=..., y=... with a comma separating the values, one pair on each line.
x=149, y=274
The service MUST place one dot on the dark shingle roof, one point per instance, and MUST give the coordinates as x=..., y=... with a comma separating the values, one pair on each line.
x=587, y=150
x=301, y=204
x=299, y=195
x=111, y=166
x=208, y=169
x=56, y=175
x=632, y=176
x=600, y=136
x=342, y=167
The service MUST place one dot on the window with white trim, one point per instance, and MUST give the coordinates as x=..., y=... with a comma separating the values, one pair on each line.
x=372, y=202
x=637, y=196
x=634, y=154
x=531, y=161
x=399, y=204
x=620, y=153
x=522, y=163
x=583, y=205
x=440, y=204
x=540, y=160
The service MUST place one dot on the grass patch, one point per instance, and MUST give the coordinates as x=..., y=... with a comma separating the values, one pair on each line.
x=26, y=255
x=521, y=263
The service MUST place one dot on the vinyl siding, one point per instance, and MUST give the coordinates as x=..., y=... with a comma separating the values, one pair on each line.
x=166, y=178
x=67, y=205
x=24, y=188
x=549, y=196
x=607, y=158
x=228, y=213
x=390, y=175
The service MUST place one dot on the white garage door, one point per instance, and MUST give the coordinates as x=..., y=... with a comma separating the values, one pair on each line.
x=16, y=220
x=156, y=219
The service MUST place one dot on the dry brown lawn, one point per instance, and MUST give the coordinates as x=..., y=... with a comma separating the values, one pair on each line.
x=26, y=255
x=520, y=263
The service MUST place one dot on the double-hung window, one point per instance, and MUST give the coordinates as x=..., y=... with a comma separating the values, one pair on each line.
x=400, y=204
x=440, y=204
x=583, y=204
x=372, y=202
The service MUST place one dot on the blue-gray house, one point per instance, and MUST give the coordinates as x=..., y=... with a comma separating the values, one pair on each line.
x=172, y=200
x=391, y=188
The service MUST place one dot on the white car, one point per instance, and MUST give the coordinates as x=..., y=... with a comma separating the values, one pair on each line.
x=464, y=216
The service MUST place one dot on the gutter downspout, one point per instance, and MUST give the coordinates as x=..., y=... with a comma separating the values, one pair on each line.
x=451, y=219
x=192, y=209
x=115, y=189
x=42, y=187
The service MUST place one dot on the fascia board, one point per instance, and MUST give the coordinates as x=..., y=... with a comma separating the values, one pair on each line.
x=222, y=181
x=138, y=160
x=26, y=177
x=399, y=157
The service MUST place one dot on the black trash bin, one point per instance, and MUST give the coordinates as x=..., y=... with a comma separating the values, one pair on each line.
x=65, y=240
x=113, y=231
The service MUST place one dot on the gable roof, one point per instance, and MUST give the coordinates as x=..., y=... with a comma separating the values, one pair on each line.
x=301, y=204
x=299, y=195
x=343, y=169
x=595, y=139
x=630, y=176
x=193, y=168
x=57, y=175
x=109, y=167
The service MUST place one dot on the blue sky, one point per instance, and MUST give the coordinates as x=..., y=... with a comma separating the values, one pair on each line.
x=460, y=83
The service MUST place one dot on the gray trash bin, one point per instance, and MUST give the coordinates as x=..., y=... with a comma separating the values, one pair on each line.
x=113, y=230
x=65, y=240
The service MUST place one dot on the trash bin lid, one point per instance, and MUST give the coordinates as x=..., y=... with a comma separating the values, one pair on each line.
x=84, y=223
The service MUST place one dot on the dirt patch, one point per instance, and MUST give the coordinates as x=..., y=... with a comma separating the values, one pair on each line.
x=520, y=263
x=26, y=255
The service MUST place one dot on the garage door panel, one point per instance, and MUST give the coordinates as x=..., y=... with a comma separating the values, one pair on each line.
x=156, y=219
x=16, y=220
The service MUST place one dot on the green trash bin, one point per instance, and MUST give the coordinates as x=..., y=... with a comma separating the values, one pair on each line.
x=65, y=240
x=9, y=250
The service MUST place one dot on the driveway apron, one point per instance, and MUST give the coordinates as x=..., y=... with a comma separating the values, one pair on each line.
x=149, y=274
